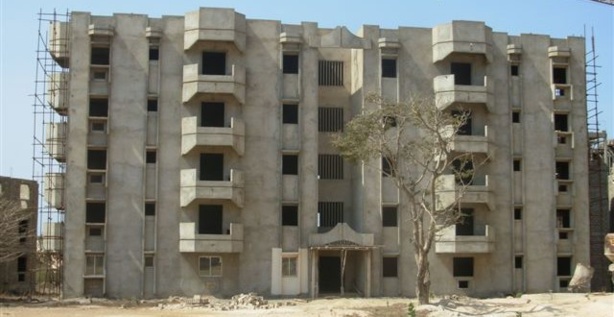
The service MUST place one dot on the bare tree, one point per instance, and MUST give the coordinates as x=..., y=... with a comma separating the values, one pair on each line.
x=17, y=233
x=414, y=140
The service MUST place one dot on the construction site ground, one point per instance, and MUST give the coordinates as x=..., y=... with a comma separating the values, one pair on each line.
x=555, y=304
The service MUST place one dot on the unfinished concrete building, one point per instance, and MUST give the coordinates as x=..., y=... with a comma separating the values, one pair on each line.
x=198, y=156
x=19, y=206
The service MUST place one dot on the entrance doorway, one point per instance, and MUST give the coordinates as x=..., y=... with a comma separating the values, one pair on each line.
x=329, y=269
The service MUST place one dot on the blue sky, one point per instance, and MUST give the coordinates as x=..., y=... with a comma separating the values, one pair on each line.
x=19, y=25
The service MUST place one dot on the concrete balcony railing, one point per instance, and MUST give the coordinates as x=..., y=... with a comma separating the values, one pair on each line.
x=214, y=25
x=194, y=136
x=192, y=242
x=194, y=190
x=57, y=91
x=450, y=193
x=55, y=140
x=482, y=241
x=54, y=190
x=472, y=143
x=462, y=37
x=195, y=83
x=448, y=93
x=59, y=38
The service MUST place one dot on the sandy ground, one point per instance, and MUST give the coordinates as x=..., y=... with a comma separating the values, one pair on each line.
x=581, y=305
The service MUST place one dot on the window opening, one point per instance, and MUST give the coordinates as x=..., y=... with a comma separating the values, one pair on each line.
x=210, y=266
x=290, y=64
x=466, y=127
x=22, y=267
x=97, y=159
x=211, y=167
x=289, y=215
x=95, y=212
x=330, y=166
x=149, y=261
x=461, y=72
x=517, y=165
x=152, y=105
x=516, y=116
x=330, y=119
x=562, y=170
x=150, y=157
x=563, y=266
x=212, y=114
x=214, y=63
x=563, y=218
x=389, y=68
x=330, y=214
x=561, y=122
x=463, y=171
x=465, y=226
x=290, y=114
x=289, y=164
x=389, y=216
x=94, y=264
x=518, y=262
x=559, y=75
x=462, y=267
x=517, y=213
x=100, y=56
x=514, y=70
x=210, y=219
x=150, y=209
x=99, y=107
x=390, y=266
x=463, y=284
x=330, y=73
x=154, y=53
x=288, y=266
x=387, y=170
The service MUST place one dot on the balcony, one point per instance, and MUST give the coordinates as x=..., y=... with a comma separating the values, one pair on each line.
x=450, y=193
x=195, y=83
x=192, y=242
x=55, y=135
x=482, y=241
x=474, y=143
x=214, y=25
x=59, y=38
x=448, y=93
x=195, y=190
x=57, y=92
x=462, y=37
x=54, y=190
x=194, y=136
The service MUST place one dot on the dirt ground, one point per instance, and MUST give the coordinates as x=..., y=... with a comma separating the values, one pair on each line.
x=556, y=304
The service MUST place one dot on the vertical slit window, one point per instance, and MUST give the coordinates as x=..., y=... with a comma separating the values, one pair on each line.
x=330, y=214
x=330, y=119
x=330, y=73
x=330, y=166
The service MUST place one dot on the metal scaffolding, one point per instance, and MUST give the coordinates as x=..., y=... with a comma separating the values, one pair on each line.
x=49, y=136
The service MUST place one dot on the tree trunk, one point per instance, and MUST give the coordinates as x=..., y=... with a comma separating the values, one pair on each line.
x=423, y=278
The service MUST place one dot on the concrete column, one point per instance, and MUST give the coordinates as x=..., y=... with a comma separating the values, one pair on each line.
x=368, y=287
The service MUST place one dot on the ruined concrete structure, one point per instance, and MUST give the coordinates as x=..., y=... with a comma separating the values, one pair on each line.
x=17, y=276
x=198, y=156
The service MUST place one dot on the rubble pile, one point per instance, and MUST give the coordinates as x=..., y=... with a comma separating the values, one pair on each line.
x=249, y=300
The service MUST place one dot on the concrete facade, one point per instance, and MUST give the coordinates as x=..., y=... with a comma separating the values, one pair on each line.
x=168, y=193
x=18, y=276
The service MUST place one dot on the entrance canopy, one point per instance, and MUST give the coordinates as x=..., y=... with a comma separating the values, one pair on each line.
x=341, y=237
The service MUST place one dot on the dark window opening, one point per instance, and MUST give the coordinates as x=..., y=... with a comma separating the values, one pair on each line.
x=563, y=266
x=22, y=264
x=330, y=119
x=150, y=157
x=289, y=164
x=330, y=214
x=23, y=229
x=211, y=167
x=462, y=267
x=99, y=107
x=150, y=209
x=563, y=283
x=559, y=92
x=390, y=266
x=563, y=218
x=518, y=262
x=561, y=139
x=330, y=166
x=465, y=225
x=517, y=166
x=210, y=219
x=95, y=232
x=100, y=56
x=95, y=212
x=389, y=68
x=330, y=73
x=290, y=64
x=387, y=169
x=562, y=170
x=517, y=213
x=514, y=70
x=563, y=188
x=154, y=53
x=463, y=171
x=152, y=105
x=96, y=178
x=289, y=216
x=463, y=284
x=560, y=122
x=149, y=261
x=516, y=117
x=290, y=114
x=563, y=236
x=214, y=63
x=212, y=114
x=559, y=75
x=461, y=72
x=97, y=159
x=464, y=127
x=389, y=217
